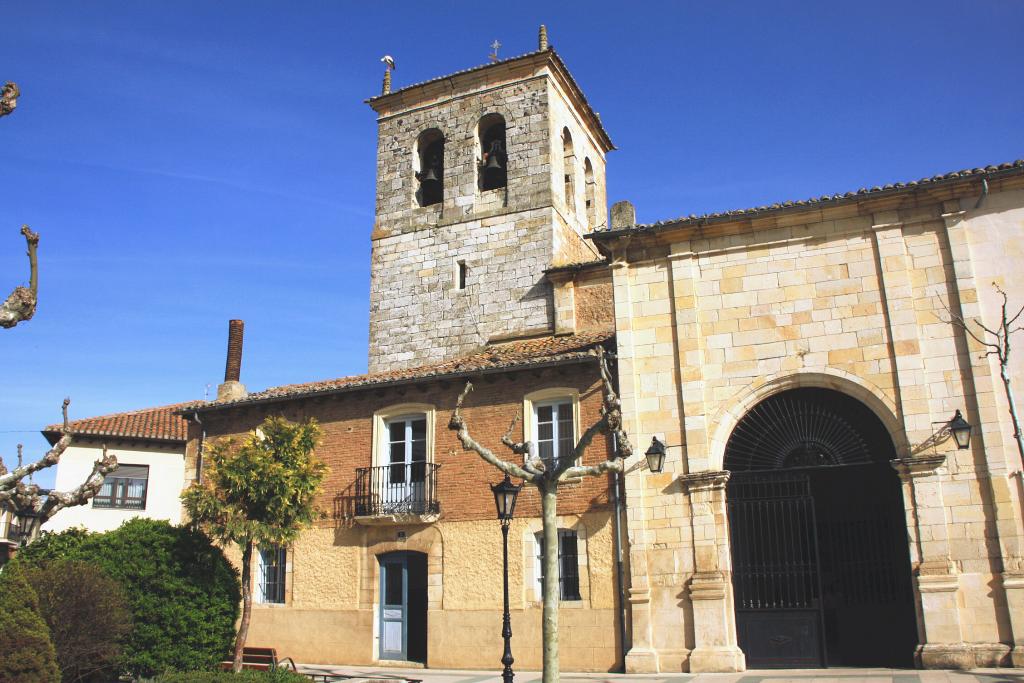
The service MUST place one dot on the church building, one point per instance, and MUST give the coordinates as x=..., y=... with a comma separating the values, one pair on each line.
x=834, y=474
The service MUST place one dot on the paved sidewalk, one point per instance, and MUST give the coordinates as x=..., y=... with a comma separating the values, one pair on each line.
x=369, y=673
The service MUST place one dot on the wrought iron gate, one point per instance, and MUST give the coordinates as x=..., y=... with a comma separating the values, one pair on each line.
x=776, y=569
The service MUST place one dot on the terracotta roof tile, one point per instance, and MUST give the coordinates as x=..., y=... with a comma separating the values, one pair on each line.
x=545, y=350
x=1005, y=169
x=163, y=423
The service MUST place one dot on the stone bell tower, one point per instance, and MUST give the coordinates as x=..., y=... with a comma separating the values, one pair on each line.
x=485, y=178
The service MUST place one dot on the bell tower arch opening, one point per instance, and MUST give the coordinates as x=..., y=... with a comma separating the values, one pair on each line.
x=429, y=171
x=493, y=173
x=821, y=566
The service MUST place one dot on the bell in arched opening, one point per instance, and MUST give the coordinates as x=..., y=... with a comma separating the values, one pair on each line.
x=493, y=157
x=431, y=173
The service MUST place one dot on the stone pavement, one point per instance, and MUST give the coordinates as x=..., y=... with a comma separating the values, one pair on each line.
x=363, y=674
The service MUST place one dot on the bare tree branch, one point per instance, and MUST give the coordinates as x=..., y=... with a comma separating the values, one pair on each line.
x=458, y=424
x=21, y=304
x=10, y=479
x=998, y=346
x=546, y=477
x=58, y=500
x=9, y=98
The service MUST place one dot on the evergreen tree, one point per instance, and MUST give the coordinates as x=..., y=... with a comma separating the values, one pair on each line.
x=259, y=492
x=26, y=652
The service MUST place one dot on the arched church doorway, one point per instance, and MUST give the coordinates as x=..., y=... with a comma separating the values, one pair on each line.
x=821, y=569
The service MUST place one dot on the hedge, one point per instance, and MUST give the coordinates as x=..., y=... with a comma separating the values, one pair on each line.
x=182, y=592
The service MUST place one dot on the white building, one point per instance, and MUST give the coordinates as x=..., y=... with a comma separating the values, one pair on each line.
x=150, y=449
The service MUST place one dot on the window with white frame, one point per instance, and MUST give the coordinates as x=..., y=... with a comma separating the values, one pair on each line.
x=124, y=488
x=270, y=570
x=553, y=429
x=407, y=449
x=568, y=565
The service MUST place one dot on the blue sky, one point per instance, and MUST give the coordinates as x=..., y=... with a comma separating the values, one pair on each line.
x=191, y=162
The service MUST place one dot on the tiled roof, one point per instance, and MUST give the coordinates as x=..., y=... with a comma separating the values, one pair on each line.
x=164, y=423
x=547, y=350
x=988, y=172
x=550, y=51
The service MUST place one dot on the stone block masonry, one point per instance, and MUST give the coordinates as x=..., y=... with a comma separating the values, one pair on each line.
x=501, y=239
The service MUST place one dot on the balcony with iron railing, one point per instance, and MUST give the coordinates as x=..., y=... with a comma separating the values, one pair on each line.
x=397, y=493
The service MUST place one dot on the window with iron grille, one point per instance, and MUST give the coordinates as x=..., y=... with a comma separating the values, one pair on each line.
x=553, y=424
x=568, y=565
x=124, y=488
x=270, y=574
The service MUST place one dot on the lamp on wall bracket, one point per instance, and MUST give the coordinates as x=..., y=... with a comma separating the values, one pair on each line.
x=656, y=455
x=961, y=431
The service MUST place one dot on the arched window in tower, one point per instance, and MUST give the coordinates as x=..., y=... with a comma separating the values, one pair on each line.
x=493, y=168
x=591, y=193
x=569, y=171
x=430, y=167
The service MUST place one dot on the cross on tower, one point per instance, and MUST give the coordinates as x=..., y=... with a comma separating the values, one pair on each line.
x=494, y=46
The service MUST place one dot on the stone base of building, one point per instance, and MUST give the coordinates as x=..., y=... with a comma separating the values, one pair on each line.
x=990, y=655
x=946, y=656
x=641, y=662
x=671, y=661
x=717, y=660
x=1017, y=657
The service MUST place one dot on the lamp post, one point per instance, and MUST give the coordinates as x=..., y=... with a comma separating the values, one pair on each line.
x=505, y=494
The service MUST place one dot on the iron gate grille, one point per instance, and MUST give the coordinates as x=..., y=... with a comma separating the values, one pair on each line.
x=776, y=575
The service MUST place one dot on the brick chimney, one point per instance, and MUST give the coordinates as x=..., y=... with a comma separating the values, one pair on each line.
x=233, y=389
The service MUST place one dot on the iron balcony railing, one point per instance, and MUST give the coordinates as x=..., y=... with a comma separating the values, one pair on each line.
x=401, y=488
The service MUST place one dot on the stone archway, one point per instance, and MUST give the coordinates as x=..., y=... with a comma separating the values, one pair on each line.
x=820, y=564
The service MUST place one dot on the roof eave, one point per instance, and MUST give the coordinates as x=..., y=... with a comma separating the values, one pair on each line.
x=582, y=357
x=802, y=206
x=379, y=102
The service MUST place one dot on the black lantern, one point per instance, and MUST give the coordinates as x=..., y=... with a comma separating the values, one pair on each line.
x=505, y=494
x=961, y=431
x=656, y=455
x=24, y=526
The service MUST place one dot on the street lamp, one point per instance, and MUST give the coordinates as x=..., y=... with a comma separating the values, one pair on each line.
x=656, y=455
x=505, y=494
x=961, y=430
x=26, y=522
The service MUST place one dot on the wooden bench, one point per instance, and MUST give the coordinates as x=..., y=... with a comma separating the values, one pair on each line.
x=257, y=658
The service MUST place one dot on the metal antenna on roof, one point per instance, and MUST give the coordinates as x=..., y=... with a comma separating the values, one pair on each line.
x=494, y=46
x=389, y=65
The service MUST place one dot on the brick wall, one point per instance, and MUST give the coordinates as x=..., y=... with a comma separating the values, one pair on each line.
x=463, y=478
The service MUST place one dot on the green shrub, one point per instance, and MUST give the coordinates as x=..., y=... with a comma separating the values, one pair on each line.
x=87, y=614
x=182, y=592
x=278, y=676
x=26, y=653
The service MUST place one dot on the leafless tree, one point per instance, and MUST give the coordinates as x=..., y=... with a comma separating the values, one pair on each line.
x=21, y=497
x=21, y=304
x=9, y=98
x=997, y=343
x=546, y=476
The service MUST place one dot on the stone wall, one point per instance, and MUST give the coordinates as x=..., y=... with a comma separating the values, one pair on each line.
x=504, y=237
x=855, y=298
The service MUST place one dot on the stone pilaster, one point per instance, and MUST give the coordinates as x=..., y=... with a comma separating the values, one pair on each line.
x=715, y=648
x=1013, y=584
x=941, y=636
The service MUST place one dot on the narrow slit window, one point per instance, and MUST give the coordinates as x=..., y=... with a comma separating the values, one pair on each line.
x=460, y=275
